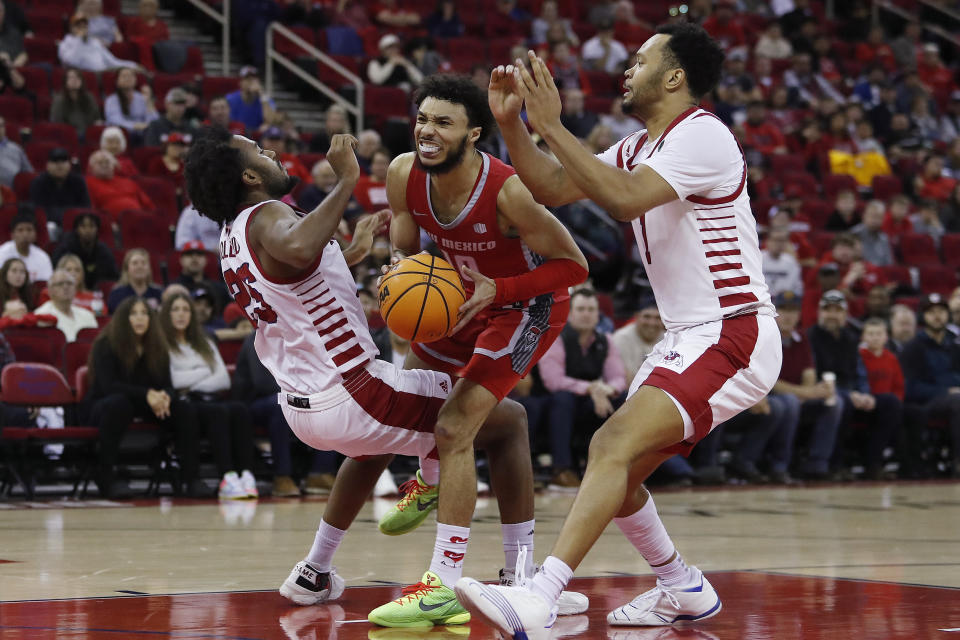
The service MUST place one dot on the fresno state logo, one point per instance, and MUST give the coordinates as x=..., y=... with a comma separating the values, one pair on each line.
x=673, y=359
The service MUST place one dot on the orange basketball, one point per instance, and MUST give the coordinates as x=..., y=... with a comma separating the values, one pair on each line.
x=420, y=297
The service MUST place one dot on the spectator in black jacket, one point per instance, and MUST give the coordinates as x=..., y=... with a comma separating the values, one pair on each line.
x=255, y=386
x=931, y=366
x=836, y=350
x=58, y=188
x=84, y=242
x=130, y=378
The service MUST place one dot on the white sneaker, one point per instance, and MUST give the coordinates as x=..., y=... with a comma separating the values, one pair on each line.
x=665, y=605
x=570, y=603
x=515, y=612
x=249, y=484
x=231, y=487
x=306, y=586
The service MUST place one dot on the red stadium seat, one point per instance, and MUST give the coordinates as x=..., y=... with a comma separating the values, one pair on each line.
x=229, y=350
x=108, y=82
x=163, y=193
x=834, y=183
x=15, y=108
x=885, y=187
x=88, y=335
x=897, y=273
x=21, y=183
x=802, y=179
x=938, y=279
x=64, y=135
x=781, y=163
x=75, y=356
x=36, y=344
x=950, y=245
x=37, y=79
x=918, y=249
x=90, y=80
x=145, y=230
x=218, y=86
x=41, y=50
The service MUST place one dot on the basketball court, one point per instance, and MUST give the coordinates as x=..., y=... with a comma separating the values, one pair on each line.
x=878, y=561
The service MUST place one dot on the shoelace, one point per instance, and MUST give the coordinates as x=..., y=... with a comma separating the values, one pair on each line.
x=655, y=594
x=411, y=489
x=414, y=591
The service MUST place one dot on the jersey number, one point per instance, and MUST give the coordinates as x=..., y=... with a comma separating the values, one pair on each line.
x=238, y=283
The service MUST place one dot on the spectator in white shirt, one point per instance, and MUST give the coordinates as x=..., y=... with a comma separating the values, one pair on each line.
x=780, y=268
x=602, y=52
x=23, y=233
x=192, y=227
x=636, y=340
x=70, y=318
x=79, y=49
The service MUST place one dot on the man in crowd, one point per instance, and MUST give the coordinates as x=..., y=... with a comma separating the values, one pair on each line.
x=58, y=188
x=23, y=235
x=875, y=243
x=70, y=318
x=111, y=193
x=636, y=340
x=193, y=263
x=584, y=373
x=903, y=327
x=173, y=119
x=780, y=268
x=248, y=104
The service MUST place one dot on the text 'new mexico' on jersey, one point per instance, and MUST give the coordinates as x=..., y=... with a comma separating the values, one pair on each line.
x=311, y=331
x=474, y=238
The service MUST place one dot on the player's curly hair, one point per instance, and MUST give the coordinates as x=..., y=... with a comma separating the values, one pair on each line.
x=693, y=50
x=213, y=173
x=459, y=89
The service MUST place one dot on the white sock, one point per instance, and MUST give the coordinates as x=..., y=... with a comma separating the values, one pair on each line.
x=646, y=532
x=449, y=551
x=325, y=544
x=550, y=581
x=430, y=471
x=518, y=535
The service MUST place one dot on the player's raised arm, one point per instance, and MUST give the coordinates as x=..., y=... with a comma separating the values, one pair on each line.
x=546, y=178
x=298, y=241
x=404, y=231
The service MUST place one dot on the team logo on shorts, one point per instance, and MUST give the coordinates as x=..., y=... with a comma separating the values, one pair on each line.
x=444, y=386
x=673, y=359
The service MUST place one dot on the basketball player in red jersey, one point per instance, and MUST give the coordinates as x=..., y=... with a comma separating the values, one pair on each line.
x=291, y=279
x=517, y=263
x=681, y=183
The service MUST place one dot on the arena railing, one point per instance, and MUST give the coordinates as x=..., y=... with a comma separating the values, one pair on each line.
x=222, y=17
x=276, y=29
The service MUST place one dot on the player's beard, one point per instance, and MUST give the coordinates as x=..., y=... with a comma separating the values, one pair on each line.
x=639, y=97
x=453, y=160
x=280, y=185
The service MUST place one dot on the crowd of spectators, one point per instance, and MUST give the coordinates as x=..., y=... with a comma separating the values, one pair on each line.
x=851, y=134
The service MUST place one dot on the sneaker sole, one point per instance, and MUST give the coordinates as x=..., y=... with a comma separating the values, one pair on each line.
x=408, y=529
x=304, y=598
x=473, y=597
x=456, y=619
x=709, y=614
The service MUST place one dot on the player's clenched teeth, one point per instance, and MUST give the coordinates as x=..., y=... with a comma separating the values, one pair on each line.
x=428, y=148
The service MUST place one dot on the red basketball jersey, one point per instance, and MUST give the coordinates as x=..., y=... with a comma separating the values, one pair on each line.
x=474, y=238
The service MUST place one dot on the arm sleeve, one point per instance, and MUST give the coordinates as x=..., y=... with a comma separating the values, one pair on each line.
x=699, y=157
x=378, y=73
x=553, y=372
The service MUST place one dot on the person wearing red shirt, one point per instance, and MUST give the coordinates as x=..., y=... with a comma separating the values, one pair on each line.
x=897, y=221
x=110, y=193
x=566, y=69
x=933, y=73
x=219, y=116
x=883, y=369
x=273, y=139
x=371, y=190
x=930, y=183
x=147, y=25
x=724, y=27
x=874, y=50
x=170, y=164
x=760, y=134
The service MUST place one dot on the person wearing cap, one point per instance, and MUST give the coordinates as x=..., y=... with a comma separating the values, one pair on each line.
x=173, y=119
x=170, y=164
x=193, y=263
x=218, y=115
x=931, y=366
x=248, y=104
x=128, y=108
x=58, y=187
x=80, y=50
x=836, y=350
x=275, y=140
x=84, y=242
x=391, y=68
x=23, y=235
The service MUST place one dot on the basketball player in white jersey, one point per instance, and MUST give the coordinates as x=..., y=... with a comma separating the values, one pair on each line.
x=288, y=274
x=682, y=184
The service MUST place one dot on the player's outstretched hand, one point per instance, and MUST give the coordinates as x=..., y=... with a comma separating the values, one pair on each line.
x=342, y=158
x=362, y=241
x=505, y=101
x=538, y=91
x=484, y=291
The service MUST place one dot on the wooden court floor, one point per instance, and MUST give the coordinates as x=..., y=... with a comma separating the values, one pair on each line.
x=877, y=561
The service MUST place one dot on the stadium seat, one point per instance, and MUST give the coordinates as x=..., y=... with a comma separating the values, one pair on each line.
x=833, y=183
x=163, y=195
x=37, y=78
x=938, y=279
x=782, y=163
x=898, y=273
x=802, y=179
x=108, y=83
x=36, y=344
x=87, y=335
x=41, y=50
x=218, y=86
x=90, y=80
x=950, y=245
x=21, y=183
x=885, y=187
x=147, y=231
x=15, y=108
x=229, y=350
x=75, y=356
x=38, y=150
x=63, y=135
x=918, y=249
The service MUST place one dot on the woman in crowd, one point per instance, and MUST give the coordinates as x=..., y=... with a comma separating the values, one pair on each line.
x=128, y=108
x=16, y=292
x=136, y=279
x=114, y=142
x=200, y=377
x=130, y=378
x=74, y=105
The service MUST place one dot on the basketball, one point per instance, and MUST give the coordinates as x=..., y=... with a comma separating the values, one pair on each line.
x=420, y=297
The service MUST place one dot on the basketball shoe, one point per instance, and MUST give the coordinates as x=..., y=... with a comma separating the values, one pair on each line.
x=664, y=605
x=427, y=603
x=231, y=488
x=570, y=603
x=516, y=612
x=419, y=499
x=305, y=585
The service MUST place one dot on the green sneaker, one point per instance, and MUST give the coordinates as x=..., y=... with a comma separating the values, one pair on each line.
x=418, y=500
x=424, y=604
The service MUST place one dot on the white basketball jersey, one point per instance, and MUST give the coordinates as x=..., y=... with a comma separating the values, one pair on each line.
x=701, y=252
x=311, y=332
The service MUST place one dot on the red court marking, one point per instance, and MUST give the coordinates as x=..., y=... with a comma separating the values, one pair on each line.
x=755, y=606
x=2, y=561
